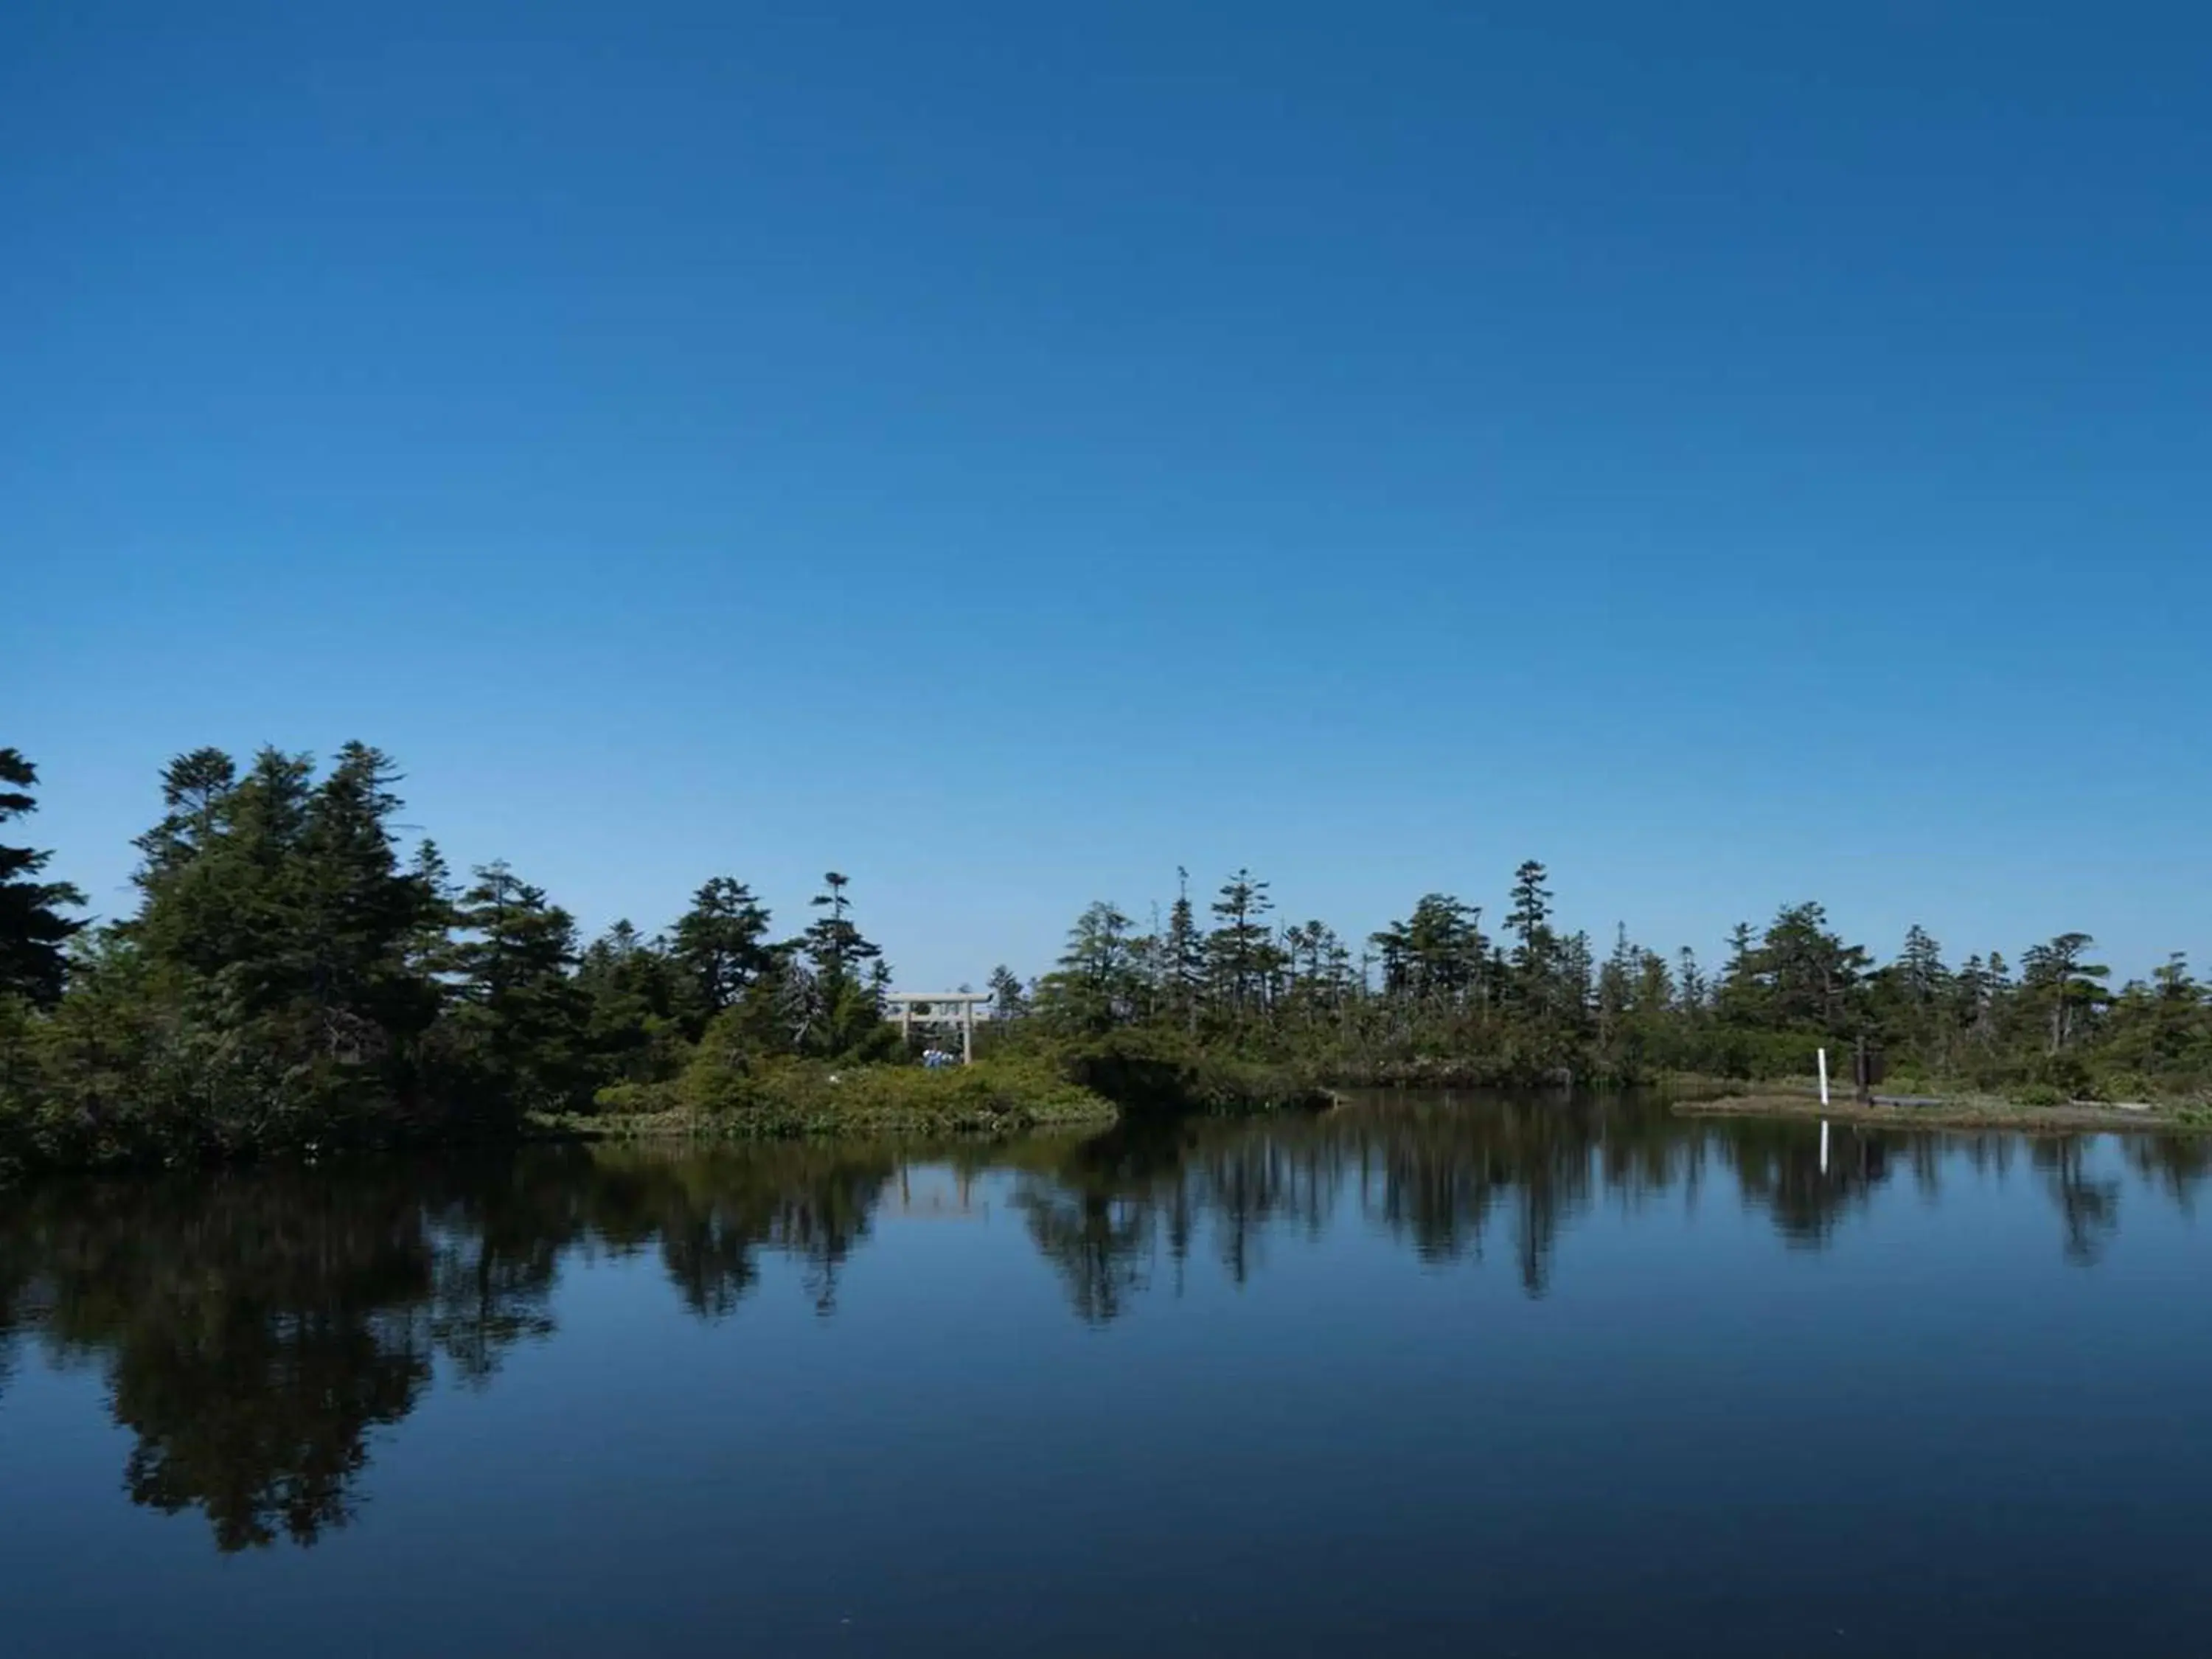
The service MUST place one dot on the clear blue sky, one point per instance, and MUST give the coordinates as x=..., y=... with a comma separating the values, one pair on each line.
x=1737, y=453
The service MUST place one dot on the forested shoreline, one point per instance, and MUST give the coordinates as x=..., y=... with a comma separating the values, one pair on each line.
x=291, y=979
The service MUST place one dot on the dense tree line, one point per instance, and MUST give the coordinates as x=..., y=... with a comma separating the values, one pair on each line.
x=1435, y=996
x=290, y=977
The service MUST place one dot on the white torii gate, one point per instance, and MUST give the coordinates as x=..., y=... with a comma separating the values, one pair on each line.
x=912, y=1008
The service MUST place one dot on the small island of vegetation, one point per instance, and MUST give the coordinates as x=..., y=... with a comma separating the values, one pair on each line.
x=290, y=979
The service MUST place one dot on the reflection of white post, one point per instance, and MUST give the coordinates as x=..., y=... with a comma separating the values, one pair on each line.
x=1824, y=1076
x=1824, y=1146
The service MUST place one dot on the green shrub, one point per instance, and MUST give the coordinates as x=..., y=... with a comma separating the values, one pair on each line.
x=2064, y=1072
x=1152, y=1071
x=722, y=1092
x=2121, y=1085
x=639, y=1099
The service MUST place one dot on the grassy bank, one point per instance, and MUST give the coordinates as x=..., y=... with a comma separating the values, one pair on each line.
x=1958, y=1112
x=789, y=1100
x=1054, y=1086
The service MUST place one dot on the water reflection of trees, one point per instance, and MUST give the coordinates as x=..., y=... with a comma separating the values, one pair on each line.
x=2089, y=1207
x=1436, y=1174
x=710, y=1213
x=1778, y=1169
x=254, y=1329
x=1101, y=1245
x=1455, y=1179
x=2176, y=1165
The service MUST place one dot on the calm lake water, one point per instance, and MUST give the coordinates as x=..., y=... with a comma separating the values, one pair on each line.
x=1418, y=1377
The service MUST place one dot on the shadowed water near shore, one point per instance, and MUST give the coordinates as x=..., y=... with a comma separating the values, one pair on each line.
x=263, y=1342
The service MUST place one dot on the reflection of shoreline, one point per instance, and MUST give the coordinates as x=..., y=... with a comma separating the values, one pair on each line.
x=2082, y=1118
x=1438, y=1172
x=255, y=1327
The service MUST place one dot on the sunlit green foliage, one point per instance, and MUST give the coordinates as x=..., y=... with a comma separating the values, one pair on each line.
x=288, y=979
x=1433, y=1000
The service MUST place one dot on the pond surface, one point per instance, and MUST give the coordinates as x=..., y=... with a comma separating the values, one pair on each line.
x=1418, y=1377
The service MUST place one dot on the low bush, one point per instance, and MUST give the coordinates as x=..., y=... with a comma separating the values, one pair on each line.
x=723, y=1095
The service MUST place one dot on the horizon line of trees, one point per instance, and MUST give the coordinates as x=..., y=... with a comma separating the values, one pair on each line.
x=1434, y=992
x=288, y=978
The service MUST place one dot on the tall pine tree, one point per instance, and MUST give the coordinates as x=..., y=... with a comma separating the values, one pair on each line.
x=522, y=1017
x=32, y=930
x=721, y=947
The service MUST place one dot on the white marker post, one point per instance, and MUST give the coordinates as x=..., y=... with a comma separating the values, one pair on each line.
x=1824, y=1107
